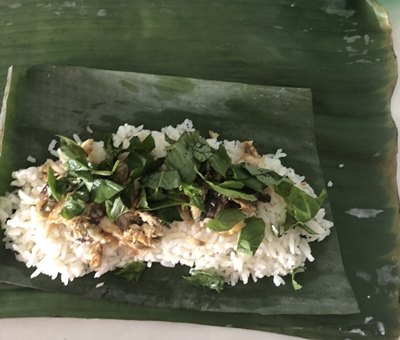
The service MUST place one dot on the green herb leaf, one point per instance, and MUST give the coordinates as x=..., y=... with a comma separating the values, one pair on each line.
x=180, y=156
x=77, y=165
x=58, y=187
x=242, y=175
x=167, y=179
x=268, y=177
x=72, y=207
x=169, y=140
x=226, y=220
x=251, y=235
x=71, y=150
x=295, y=285
x=231, y=185
x=220, y=160
x=202, y=151
x=115, y=209
x=228, y=192
x=169, y=215
x=143, y=204
x=82, y=193
x=195, y=195
x=304, y=206
x=146, y=146
x=104, y=189
x=132, y=271
x=203, y=279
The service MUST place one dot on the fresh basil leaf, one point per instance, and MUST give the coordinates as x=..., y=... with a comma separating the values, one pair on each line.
x=169, y=215
x=193, y=191
x=58, y=187
x=77, y=165
x=115, y=209
x=72, y=207
x=304, y=206
x=169, y=140
x=71, y=149
x=85, y=176
x=132, y=271
x=82, y=194
x=173, y=199
x=231, y=185
x=143, y=204
x=268, y=177
x=156, y=195
x=104, y=189
x=134, y=142
x=226, y=220
x=146, y=146
x=251, y=235
x=180, y=156
x=220, y=160
x=242, y=175
x=290, y=221
x=167, y=179
x=202, y=151
x=201, y=278
x=228, y=192
x=136, y=164
x=295, y=285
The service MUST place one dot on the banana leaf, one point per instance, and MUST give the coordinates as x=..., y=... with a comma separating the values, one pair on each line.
x=50, y=101
x=341, y=49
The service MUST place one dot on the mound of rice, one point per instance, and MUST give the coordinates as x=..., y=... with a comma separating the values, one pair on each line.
x=53, y=252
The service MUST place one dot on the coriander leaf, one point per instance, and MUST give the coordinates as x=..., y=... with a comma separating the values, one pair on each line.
x=146, y=146
x=203, y=279
x=58, y=187
x=72, y=207
x=193, y=191
x=304, y=206
x=132, y=271
x=251, y=235
x=228, y=192
x=169, y=215
x=231, y=185
x=220, y=160
x=71, y=150
x=295, y=285
x=115, y=209
x=167, y=179
x=226, y=220
x=104, y=189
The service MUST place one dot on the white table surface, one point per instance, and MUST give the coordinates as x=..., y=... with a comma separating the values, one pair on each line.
x=84, y=329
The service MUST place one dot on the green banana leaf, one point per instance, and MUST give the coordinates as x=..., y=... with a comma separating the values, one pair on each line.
x=50, y=101
x=341, y=49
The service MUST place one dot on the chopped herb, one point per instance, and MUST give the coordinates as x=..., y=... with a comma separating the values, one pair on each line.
x=226, y=220
x=251, y=235
x=169, y=215
x=193, y=191
x=57, y=187
x=72, y=207
x=203, y=279
x=132, y=271
x=115, y=209
x=104, y=189
x=295, y=285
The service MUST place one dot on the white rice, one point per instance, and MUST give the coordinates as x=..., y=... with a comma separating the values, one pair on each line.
x=53, y=251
